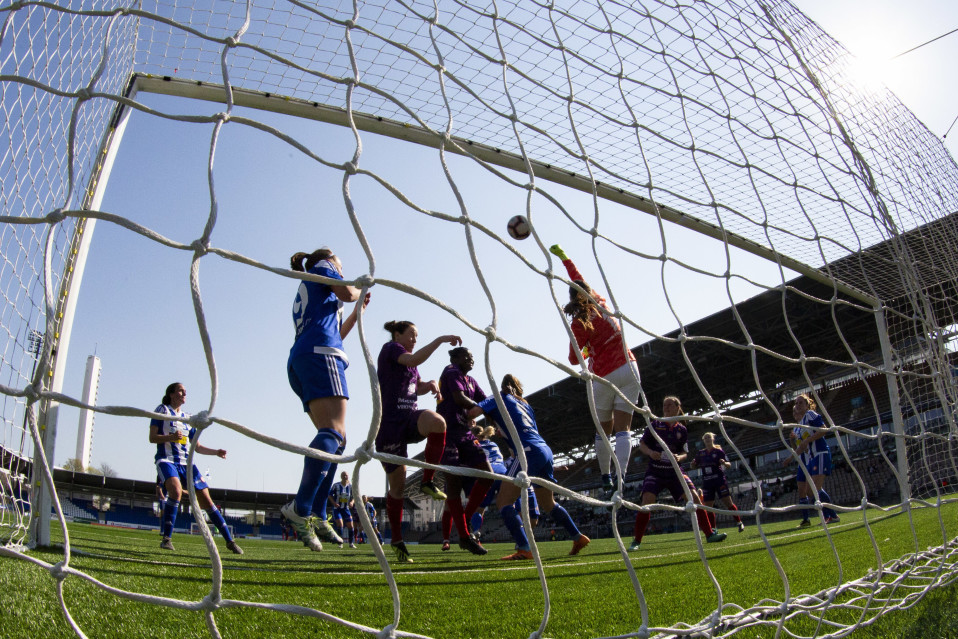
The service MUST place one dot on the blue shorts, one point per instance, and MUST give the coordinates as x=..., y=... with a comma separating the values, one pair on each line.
x=342, y=513
x=540, y=464
x=396, y=433
x=167, y=469
x=313, y=376
x=818, y=464
x=533, y=504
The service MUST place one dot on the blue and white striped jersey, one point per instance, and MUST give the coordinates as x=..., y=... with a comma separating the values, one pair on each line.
x=341, y=494
x=174, y=452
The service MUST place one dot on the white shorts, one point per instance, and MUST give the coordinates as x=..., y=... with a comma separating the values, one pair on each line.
x=626, y=377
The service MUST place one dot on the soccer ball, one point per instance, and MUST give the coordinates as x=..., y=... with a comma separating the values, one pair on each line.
x=518, y=227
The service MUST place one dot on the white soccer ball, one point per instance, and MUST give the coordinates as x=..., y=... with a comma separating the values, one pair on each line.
x=518, y=227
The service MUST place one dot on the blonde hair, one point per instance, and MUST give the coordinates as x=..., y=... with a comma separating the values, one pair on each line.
x=710, y=436
x=483, y=432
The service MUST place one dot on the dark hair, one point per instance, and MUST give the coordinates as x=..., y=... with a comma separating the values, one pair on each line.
x=312, y=259
x=458, y=351
x=397, y=327
x=581, y=306
x=169, y=391
x=512, y=386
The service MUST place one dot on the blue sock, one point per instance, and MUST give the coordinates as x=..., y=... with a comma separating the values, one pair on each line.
x=169, y=517
x=316, y=470
x=804, y=500
x=561, y=516
x=217, y=518
x=351, y=533
x=823, y=497
x=514, y=524
x=476, y=522
x=321, y=500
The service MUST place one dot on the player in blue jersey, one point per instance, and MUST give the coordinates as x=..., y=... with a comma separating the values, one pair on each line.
x=713, y=461
x=341, y=499
x=539, y=460
x=459, y=392
x=317, y=374
x=371, y=511
x=814, y=455
x=172, y=437
x=660, y=474
x=403, y=422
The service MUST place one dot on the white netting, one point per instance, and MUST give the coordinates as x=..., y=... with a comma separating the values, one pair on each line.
x=739, y=120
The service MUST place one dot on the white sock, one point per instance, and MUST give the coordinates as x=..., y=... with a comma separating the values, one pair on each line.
x=623, y=449
x=604, y=455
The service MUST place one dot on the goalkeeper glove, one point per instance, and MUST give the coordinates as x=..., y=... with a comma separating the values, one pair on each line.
x=556, y=250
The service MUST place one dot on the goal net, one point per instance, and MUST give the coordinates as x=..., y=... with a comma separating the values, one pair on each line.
x=691, y=157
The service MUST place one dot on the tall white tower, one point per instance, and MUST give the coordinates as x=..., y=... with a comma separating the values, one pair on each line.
x=91, y=384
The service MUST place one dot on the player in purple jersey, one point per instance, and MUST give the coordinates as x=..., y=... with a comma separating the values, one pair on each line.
x=172, y=438
x=662, y=476
x=403, y=422
x=814, y=456
x=539, y=464
x=317, y=374
x=713, y=462
x=460, y=392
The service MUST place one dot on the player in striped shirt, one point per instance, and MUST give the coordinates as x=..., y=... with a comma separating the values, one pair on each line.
x=172, y=437
x=661, y=475
x=539, y=464
x=814, y=455
x=599, y=339
x=713, y=461
x=341, y=499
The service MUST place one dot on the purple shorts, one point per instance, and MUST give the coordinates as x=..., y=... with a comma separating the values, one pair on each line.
x=396, y=433
x=463, y=449
x=711, y=489
x=657, y=483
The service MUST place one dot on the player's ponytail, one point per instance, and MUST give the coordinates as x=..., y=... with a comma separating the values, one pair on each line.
x=397, y=327
x=302, y=262
x=581, y=305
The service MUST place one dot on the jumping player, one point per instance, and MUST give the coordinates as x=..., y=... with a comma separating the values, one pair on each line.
x=660, y=474
x=814, y=455
x=713, y=462
x=341, y=499
x=317, y=374
x=539, y=460
x=598, y=335
x=402, y=420
x=172, y=438
x=460, y=392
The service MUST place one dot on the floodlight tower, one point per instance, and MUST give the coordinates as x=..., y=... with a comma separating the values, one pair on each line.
x=91, y=384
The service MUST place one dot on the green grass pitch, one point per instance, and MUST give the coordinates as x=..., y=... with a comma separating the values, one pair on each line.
x=455, y=594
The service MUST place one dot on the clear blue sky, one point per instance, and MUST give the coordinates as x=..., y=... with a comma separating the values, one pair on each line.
x=135, y=308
